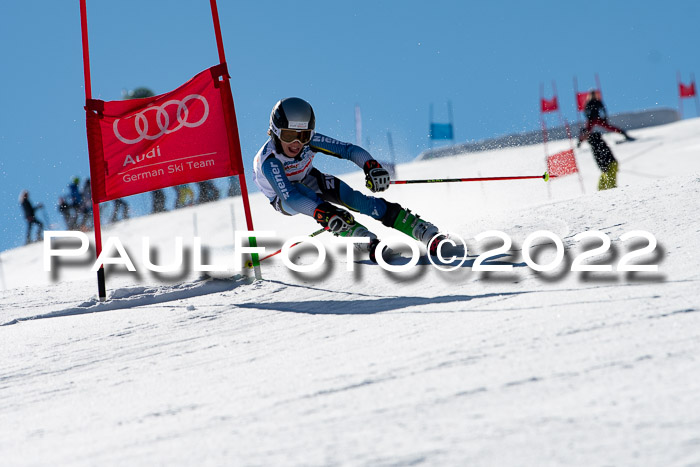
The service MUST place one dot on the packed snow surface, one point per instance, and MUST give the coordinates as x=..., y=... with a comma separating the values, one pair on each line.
x=370, y=367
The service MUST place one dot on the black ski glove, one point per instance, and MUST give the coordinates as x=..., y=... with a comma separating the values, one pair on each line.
x=377, y=178
x=334, y=219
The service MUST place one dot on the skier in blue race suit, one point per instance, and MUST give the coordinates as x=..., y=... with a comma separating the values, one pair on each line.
x=284, y=172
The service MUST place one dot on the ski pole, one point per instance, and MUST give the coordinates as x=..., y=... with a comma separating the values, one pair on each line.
x=544, y=177
x=249, y=264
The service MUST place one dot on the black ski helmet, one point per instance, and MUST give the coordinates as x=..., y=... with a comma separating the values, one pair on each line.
x=292, y=113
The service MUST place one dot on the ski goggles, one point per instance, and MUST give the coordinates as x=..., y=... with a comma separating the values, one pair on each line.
x=303, y=136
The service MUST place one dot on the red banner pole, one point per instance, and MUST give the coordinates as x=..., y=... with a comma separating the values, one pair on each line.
x=578, y=111
x=565, y=124
x=544, y=125
x=544, y=134
x=217, y=31
x=101, y=287
x=86, y=51
x=232, y=130
x=695, y=93
x=680, y=95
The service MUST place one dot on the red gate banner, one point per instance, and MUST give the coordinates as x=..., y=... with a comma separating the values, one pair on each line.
x=549, y=105
x=687, y=91
x=141, y=145
x=582, y=98
x=562, y=163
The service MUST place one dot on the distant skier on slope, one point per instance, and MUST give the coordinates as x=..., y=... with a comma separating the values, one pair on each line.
x=284, y=173
x=604, y=158
x=596, y=114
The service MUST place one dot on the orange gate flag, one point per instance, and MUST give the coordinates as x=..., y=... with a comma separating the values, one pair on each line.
x=562, y=163
x=179, y=137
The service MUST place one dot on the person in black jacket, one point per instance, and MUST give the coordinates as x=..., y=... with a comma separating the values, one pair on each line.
x=30, y=214
x=158, y=201
x=603, y=158
x=597, y=115
x=64, y=209
x=207, y=192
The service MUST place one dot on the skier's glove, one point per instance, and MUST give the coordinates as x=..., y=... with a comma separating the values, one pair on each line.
x=377, y=178
x=334, y=219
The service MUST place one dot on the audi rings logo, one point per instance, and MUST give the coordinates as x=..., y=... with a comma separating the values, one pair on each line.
x=162, y=120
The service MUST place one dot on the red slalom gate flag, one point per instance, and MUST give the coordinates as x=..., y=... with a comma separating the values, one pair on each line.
x=179, y=137
x=562, y=163
x=687, y=91
x=581, y=98
x=549, y=105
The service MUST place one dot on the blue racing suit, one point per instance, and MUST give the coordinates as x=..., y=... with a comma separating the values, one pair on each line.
x=294, y=186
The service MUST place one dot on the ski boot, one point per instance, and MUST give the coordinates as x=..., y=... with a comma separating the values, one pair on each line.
x=359, y=230
x=373, y=244
x=418, y=229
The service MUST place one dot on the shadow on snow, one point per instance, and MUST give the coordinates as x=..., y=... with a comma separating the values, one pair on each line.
x=130, y=297
x=367, y=306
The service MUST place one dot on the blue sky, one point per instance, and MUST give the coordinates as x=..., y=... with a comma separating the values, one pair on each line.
x=392, y=58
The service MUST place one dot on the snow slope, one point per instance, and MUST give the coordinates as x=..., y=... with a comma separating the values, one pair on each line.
x=376, y=368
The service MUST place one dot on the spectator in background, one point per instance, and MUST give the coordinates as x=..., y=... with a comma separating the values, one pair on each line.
x=64, y=209
x=158, y=201
x=234, y=186
x=207, y=192
x=597, y=115
x=603, y=158
x=75, y=201
x=184, y=196
x=120, y=205
x=30, y=215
